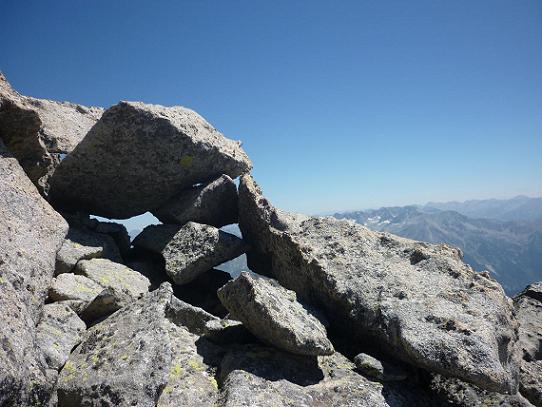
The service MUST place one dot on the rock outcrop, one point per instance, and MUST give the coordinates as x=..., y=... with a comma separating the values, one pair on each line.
x=273, y=314
x=139, y=156
x=189, y=250
x=40, y=132
x=31, y=232
x=418, y=302
x=529, y=314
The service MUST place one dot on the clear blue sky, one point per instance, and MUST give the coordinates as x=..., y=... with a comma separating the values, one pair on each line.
x=340, y=104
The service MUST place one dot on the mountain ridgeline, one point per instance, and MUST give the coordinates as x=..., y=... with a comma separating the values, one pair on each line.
x=503, y=237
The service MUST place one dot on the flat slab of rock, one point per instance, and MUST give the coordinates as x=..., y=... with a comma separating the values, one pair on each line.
x=273, y=314
x=417, y=302
x=138, y=156
x=124, y=285
x=138, y=356
x=214, y=204
x=77, y=289
x=58, y=332
x=189, y=250
x=39, y=132
x=528, y=306
x=31, y=232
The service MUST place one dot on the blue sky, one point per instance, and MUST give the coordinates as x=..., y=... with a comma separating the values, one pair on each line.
x=340, y=105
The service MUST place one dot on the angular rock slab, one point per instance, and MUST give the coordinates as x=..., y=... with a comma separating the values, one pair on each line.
x=138, y=156
x=189, y=250
x=273, y=314
x=78, y=290
x=138, y=357
x=124, y=284
x=214, y=204
x=39, y=132
x=58, y=332
x=418, y=302
x=31, y=232
x=528, y=306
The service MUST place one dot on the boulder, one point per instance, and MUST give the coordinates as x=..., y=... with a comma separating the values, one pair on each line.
x=75, y=290
x=138, y=156
x=123, y=284
x=31, y=232
x=379, y=370
x=528, y=306
x=416, y=302
x=58, y=332
x=138, y=356
x=73, y=250
x=189, y=250
x=273, y=314
x=264, y=377
x=40, y=132
x=213, y=204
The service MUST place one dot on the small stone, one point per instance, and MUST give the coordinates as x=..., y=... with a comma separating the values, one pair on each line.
x=377, y=370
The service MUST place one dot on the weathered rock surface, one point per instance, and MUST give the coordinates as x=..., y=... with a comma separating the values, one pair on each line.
x=77, y=291
x=273, y=314
x=189, y=250
x=58, y=332
x=124, y=285
x=73, y=250
x=39, y=132
x=528, y=306
x=418, y=302
x=138, y=356
x=379, y=370
x=31, y=232
x=138, y=156
x=263, y=377
x=213, y=204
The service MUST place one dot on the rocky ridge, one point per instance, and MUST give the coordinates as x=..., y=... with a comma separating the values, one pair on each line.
x=331, y=313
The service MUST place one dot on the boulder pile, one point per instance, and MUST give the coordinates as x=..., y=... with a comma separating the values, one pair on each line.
x=330, y=313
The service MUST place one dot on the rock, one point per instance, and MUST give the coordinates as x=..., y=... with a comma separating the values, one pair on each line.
x=213, y=204
x=124, y=284
x=528, y=306
x=189, y=250
x=201, y=292
x=58, y=332
x=31, y=232
x=138, y=356
x=39, y=132
x=263, y=377
x=79, y=290
x=416, y=302
x=73, y=250
x=139, y=156
x=273, y=314
x=378, y=370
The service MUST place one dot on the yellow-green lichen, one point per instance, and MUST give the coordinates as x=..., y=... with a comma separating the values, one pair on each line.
x=186, y=161
x=176, y=371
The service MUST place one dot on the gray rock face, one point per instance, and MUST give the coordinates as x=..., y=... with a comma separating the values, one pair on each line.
x=72, y=251
x=189, y=250
x=273, y=314
x=79, y=290
x=263, y=377
x=58, y=332
x=213, y=204
x=38, y=132
x=420, y=303
x=379, y=370
x=139, y=357
x=138, y=156
x=124, y=284
x=31, y=232
x=529, y=314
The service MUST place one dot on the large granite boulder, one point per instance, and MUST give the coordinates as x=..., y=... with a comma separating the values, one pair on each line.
x=213, y=204
x=273, y=314
x=413, y=301
x=31, y=232
x=529, y=314
x=140, y=357
x=39, y=132
x=138, y=156
x=189, y=250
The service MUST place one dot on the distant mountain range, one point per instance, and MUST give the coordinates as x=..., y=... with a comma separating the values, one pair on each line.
x=501, y=236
